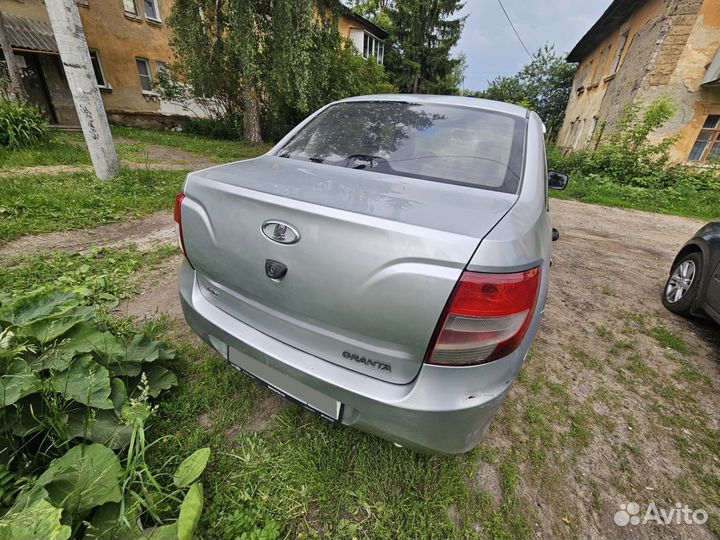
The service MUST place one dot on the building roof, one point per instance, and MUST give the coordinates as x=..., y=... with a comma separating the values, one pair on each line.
x=30, y=34
x=370, y=26
x=614, y=16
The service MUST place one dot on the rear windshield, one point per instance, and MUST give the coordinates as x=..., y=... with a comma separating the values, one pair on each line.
x=457, y=145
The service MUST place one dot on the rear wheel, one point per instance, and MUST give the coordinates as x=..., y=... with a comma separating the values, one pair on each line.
x=682, y=285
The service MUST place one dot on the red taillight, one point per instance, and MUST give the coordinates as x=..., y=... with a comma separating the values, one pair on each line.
x=486, y=319
x=177, y=213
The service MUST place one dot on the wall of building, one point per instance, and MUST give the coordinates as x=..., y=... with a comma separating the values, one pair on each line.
x=673, y=43
x=345, y=24
x=31, y=9
x=602, y=93
x=646, y=28
x=119, y=38
x=686, y=52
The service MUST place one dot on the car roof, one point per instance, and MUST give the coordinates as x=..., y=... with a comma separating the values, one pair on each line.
x=461, y=101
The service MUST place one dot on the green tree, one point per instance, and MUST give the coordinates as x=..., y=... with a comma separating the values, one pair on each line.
x=267, y=63
x=543, y=85
x=422, y=35
x=375, y=10
x=425, y=33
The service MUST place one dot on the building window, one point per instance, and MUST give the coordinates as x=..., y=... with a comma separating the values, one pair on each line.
x=707, y=145
x=152, y=11
x=373, y=47
x=569, y=134
x=618, y=53
x=130, y=7
x=600, y=68
x=97, y=68
x=578, y=134
x=143, y=67
x=582, y=77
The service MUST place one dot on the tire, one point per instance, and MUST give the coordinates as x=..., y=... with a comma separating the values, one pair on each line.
x=682, y=286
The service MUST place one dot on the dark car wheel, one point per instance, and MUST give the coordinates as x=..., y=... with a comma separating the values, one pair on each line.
x=682, y=285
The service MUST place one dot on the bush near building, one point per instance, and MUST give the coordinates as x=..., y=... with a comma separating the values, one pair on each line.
x=624, y=168
x=21, y=125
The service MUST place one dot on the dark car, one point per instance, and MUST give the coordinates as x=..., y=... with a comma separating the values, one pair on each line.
x=693, y=287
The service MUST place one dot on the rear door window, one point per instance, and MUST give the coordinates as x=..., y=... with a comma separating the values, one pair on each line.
x=457, y=145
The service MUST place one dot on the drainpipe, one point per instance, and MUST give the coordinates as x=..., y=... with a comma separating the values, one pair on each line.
x=17, y=88
x=70, y=38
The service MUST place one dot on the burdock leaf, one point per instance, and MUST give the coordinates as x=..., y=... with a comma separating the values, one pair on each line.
x=37, y=521
x=17, y=381
x=86, y=382
x=51, y=328
x=41, y=304
x=102, y=427
x=159, y=379
x=85, y=477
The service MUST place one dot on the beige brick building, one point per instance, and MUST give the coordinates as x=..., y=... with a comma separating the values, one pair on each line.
x=129, y=43
x=639, y=51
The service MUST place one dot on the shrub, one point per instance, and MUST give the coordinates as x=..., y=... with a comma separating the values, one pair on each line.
x=627, y=157
x=222, y=128
x=75, y=402
x=21, y=125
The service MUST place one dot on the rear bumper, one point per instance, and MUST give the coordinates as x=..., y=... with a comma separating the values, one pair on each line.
x=443, y=410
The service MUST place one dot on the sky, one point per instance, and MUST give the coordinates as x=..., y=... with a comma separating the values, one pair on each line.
x=491, y=46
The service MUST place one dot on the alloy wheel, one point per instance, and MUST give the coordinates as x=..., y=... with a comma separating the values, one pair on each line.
x=680, y=281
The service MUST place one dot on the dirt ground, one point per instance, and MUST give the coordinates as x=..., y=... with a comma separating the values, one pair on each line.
x=147, y=233
x=146, y=157
x=610, y=266
x=647, y=413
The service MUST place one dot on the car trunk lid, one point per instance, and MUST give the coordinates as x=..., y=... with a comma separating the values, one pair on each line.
x=374, y=263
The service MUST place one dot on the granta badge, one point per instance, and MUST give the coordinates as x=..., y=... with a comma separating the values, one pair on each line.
x=280, y=232
x=370, y=363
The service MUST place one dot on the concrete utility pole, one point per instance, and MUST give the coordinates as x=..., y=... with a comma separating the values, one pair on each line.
x=70, y=38
x=16, y=84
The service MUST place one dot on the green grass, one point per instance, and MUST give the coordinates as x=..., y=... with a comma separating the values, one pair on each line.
x=42, y=203
x=704, y=205
x=67, y=148
x=64, y=201
x=586, y=359
x=667, y=339
x=303, y=477
x=621, y=346
x=62, y=149
x=638, y=366
x=106, y=272
x=215, y=150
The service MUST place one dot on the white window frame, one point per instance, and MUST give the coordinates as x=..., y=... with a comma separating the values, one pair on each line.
x=140, y=76
x=135, y=9
x=375, y=47
x=713, y=139
x=100, y=66
x=157, y=19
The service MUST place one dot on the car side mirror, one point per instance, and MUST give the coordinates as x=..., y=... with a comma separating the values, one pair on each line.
x=558, y=180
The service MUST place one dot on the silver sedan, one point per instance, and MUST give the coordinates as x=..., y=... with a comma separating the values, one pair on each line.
x=385, y=265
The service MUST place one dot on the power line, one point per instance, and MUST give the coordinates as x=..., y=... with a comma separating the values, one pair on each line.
x=514, y=29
